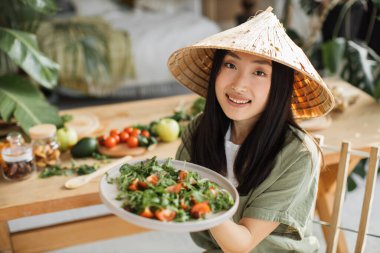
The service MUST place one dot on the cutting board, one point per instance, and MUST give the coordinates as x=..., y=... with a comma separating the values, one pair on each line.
x=121, y=150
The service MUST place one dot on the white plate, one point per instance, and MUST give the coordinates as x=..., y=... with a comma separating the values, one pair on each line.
x=108, y=193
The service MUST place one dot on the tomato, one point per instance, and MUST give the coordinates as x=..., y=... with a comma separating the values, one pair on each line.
x=136, y=132
x=133, y=142
x=165, y=214
x=142, y=185
x=145, y=133
x=183, y=205
x=153, y=179
x=200, y=210
x=110, y=142
x=128, y=130
x=124, y=136
x=147, y=213
x=133, y=185
x=182, y=174
x=114, y=132
x=117, y=138
x=101, y=139
x=174, y=188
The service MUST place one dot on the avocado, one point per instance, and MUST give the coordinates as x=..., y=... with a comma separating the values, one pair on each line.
x=84, y=148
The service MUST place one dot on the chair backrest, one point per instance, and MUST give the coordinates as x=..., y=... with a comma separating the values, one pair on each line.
x=368, y=198
x=341, y=181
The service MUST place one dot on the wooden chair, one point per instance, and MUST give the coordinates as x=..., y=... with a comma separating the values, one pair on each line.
x=335, y=241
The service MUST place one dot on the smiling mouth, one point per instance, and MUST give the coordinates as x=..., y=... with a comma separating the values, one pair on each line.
x=238, y=101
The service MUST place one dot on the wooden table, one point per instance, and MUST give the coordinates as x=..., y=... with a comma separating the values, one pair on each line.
x=40, y=196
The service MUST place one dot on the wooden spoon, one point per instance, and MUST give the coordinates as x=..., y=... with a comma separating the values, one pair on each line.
x=82, y=180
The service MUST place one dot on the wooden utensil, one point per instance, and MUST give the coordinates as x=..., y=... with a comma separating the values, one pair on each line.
x=82, y=180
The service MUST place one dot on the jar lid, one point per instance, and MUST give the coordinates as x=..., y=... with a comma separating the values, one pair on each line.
x=42, y=131
x=17, y=154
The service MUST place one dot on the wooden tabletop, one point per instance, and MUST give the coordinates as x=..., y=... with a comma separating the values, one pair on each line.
x=37, y=196
x=360, y=123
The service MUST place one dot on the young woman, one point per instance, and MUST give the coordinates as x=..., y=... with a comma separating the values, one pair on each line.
x=255, y=86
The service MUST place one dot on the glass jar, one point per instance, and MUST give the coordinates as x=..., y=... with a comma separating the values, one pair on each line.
x=45, y=147
x=17, y=158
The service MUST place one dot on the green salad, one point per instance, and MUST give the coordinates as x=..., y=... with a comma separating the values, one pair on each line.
x=162, y=192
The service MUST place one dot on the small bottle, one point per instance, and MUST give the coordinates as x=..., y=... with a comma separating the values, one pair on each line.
x=17, y=158
x=45, y=147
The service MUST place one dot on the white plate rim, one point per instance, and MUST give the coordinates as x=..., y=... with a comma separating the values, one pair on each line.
x=108, y=193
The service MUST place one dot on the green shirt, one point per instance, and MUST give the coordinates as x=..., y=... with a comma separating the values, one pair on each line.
x=286, y=196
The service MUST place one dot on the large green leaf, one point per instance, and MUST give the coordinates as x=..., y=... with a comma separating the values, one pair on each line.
x=332, y=54
x=25, y=15
x=7, y=66
x=41, y=6
x=360, y=68
x=377, y=89
x=309, y=6
x=376, y=3
x=21, y=99
x=22, y=48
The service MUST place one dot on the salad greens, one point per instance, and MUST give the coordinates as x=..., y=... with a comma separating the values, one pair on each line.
x=57, y=170
x=160, y=191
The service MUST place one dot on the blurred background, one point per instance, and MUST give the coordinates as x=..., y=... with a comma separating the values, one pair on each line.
x=104, y=51
x=61, y=54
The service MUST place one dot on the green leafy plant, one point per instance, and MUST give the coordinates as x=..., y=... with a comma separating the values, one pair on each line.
x=23, y=67
x=353, y=61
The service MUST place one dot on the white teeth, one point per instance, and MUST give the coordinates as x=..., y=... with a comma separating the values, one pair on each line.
x=238, y=101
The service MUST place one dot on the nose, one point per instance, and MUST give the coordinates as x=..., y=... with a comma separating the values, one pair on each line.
x=239, y=84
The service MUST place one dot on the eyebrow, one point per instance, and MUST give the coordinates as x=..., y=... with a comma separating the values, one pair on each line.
x=263, y=62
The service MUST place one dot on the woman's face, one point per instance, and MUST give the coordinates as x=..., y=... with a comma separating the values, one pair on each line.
x=242, y=86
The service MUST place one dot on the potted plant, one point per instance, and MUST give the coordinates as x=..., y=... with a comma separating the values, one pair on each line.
x=347, y=49
x=344, y=51
x=23, y=68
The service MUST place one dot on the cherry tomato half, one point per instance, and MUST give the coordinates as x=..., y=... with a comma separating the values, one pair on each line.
x=165, y=214
x=147, y=213
x=200, y=210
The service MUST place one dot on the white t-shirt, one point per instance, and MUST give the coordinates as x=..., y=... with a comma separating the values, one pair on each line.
x=231, y=151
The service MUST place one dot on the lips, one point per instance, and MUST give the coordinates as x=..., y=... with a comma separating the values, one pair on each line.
x=239, y=101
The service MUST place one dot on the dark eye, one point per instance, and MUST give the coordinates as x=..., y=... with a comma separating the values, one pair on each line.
x=259, y=73
x=229, y=65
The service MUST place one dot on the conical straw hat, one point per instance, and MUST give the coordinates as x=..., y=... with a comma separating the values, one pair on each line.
x=264, y=36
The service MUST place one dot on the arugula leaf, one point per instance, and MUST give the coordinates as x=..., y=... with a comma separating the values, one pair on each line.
x=57, y=170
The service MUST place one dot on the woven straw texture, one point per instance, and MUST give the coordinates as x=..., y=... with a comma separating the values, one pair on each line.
x=264, y=36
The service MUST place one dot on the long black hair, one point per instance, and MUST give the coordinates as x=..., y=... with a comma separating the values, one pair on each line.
x=256, y=156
